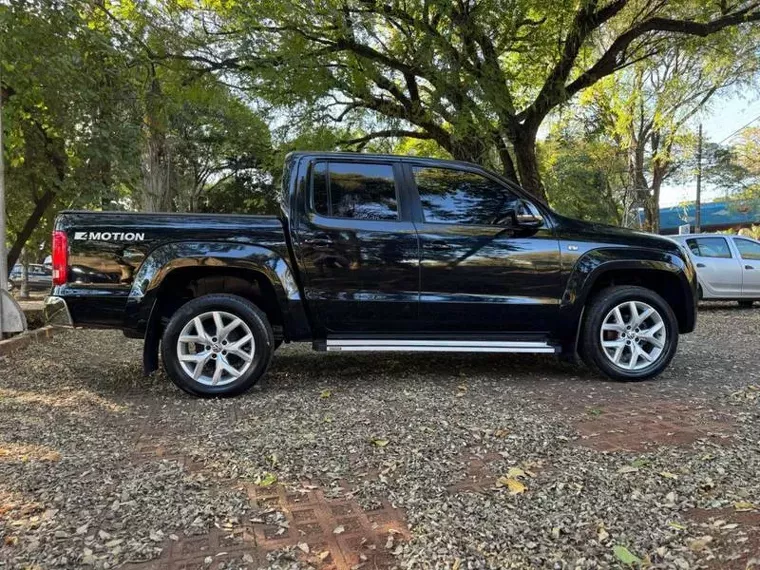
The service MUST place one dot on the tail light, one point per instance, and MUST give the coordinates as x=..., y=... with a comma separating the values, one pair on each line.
x=60, y=257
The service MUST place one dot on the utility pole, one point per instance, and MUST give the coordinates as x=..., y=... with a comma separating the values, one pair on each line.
x=698, y=206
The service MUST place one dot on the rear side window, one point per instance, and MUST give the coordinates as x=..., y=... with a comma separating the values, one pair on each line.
x=709, y=247
x=451, y=196
x=354, y=190
x=748, y=249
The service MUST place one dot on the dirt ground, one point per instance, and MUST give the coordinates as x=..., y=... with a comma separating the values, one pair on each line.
x=384, y=461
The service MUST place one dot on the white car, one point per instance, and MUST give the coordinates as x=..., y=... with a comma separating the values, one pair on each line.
x=728, y=266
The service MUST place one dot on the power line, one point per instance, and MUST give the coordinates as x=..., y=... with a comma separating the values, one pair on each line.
x=739, y=130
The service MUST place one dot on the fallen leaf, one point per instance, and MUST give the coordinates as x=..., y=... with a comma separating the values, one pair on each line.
x=380, y=442
x=303, y=547
x=339, y=530
x=676, y=526
x=628, y=469
x=457, y=564
x=602, y=533
x=268, y=480
x=668, y=475
x=743, y=506
x=515, y=472
x=324, y=394
x=515, y=487
x=731, y=526
x=699, y=544
x=324, y=555
x=625, y=556
x=501, y=433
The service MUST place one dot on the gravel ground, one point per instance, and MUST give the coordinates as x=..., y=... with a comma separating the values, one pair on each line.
x=76, y=491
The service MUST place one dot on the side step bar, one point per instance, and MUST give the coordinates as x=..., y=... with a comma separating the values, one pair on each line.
x=392, y=345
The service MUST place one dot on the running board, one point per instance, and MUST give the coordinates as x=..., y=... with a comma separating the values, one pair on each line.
x=392, y=345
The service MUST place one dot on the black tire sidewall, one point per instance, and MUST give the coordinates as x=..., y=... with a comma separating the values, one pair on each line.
x=595, y=315
x=242, y=308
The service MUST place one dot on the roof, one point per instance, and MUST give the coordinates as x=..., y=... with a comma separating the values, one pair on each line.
x=376, y=156
x=726, y=213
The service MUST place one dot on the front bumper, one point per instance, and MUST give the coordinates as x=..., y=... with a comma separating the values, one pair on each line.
x=57, y=312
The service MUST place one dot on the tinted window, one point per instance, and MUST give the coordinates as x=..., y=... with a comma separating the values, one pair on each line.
x=748, y=249
x=459, y=197
x=709, y=247
x=358, y=191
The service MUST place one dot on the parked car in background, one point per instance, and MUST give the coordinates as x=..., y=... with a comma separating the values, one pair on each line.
x=728, y=267
x=39, y=277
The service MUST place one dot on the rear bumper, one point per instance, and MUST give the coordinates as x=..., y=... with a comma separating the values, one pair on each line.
x=57, y=312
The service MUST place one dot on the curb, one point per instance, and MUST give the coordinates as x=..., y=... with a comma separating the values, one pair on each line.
x=11, y=345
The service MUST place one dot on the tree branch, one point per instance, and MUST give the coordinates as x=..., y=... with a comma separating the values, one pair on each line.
x=362, y=141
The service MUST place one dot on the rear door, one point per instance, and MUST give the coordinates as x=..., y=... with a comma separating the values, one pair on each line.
x=749, y=251
x=719, y=271
x=479, y=271
x=358, y=248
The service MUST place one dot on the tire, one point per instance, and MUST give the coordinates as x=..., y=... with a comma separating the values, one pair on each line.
x=223, y=373
x=746, y=304
x=601, y=311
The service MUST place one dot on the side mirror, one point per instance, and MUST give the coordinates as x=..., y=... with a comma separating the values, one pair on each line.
x=528, y=216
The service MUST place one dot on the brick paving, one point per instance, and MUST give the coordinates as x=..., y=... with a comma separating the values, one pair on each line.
x=645, y=425
x=733, y=537
x=329, y=533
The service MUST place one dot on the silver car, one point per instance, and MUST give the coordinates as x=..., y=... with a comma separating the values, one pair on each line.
x=728, y=267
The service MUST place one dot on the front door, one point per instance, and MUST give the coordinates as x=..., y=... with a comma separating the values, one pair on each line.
x=749, y=251
x=720, y=273
x=479, y=271
x=359, y=248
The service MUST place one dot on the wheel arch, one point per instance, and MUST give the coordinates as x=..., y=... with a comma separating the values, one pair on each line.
x=665, y=273
x=176, y=273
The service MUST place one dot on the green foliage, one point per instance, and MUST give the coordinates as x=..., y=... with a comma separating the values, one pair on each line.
x=583, y=178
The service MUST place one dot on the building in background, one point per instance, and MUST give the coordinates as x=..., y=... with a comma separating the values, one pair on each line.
x=716, y=216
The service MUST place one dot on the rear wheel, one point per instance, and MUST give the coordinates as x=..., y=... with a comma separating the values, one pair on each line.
x=217, y=345
x=746, y=304
x=630, y=333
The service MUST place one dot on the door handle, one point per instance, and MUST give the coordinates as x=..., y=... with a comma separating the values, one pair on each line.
x=701, y=265
x=438, y=245
x=749, y=267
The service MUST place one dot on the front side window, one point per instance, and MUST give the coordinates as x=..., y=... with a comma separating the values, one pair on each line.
x=459, y=197
x=354, y=190
x=748, y=249
x=710, y=247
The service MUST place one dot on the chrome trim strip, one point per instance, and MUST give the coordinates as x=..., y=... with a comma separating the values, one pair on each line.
x=382, y=345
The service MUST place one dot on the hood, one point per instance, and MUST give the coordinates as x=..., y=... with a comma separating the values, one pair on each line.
x=613, y=235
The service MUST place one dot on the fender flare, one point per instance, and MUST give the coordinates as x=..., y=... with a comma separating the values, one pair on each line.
x=141, y=314
x=594, y=264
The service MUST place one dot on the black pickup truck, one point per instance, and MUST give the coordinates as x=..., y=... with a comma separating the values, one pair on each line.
x=373, y=253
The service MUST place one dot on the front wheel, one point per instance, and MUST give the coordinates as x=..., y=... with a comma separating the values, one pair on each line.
x=217, y=345
x=630, y=333
x=746, y=304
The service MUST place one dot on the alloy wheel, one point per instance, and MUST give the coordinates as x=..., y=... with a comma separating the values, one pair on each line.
x=633, y=335
x=215, y=348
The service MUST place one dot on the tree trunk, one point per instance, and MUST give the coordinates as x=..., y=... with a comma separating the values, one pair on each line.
x=527, y=161
x=156, y=163
x=31, y=223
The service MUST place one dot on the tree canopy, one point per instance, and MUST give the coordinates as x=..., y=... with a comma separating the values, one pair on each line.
x=188, y=105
